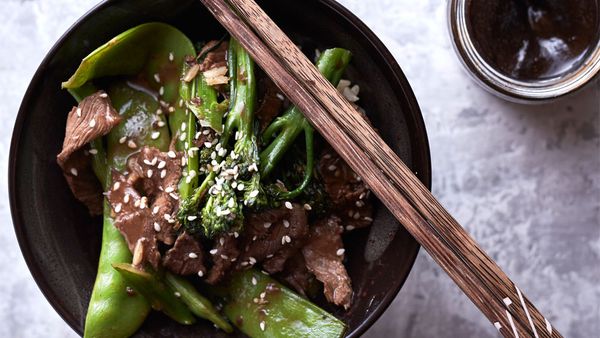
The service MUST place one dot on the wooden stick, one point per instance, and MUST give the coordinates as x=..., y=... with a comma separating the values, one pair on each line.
x=395, y=185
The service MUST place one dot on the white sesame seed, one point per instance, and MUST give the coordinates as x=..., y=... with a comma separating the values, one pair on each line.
x=267, y=225
x=224, y=257
x=78, y=112
x=252, y=260
x=159, y=111
x=167, y=217
x=116, y=186
x=118, y=207
x=182, y=136
x=171, y=57
x=171, y=154
x=149, y=173
x=254, y=193
x=161, y=124
x=356, y=215
x=207, y=144
x=93, y=151
x=161, y=91
x=155, y=135
x=177, y=294
x=155, y=210
x=191, y=218
x=161, y=164
x=340, y=252
x=157, y=77
x=131, y=144
x=289, y=205
x=254, y=281
x=369, y=219
x=331, y=167
x=73, y=171
x=174, y=196
x=156, y=227
x=123, y=139
x=236, y=234
x=307, y=207
x=240, y=186
x=263, y=295
x=169, y=189
x=103, y=95
x=126, y=198
x=213, y=251
x=163, y=173
x=200, y=273
x=262, y=325
x=288, y=239
x=92, y=123
x=280, y=97
x=360, y=204
x=192, y=255
x=286, y=223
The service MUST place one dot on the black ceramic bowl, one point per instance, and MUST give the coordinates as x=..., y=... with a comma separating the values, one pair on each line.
x=61, y=242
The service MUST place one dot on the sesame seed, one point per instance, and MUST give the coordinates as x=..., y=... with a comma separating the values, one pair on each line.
x=155, y=135
x=213, y=251
x=369, y=219
x=331, y=167
x=167, y=217
x=143, y=202
x=360, y=204
x=267, y=225
x=123, y=139
x=126, y=198
x=161, y=124
x=327, y=156
x=169, y=189
x=280, y=97
x=182, y=136
x=131, y=144
x=103, y=95
x=307, y=206
x=156, y=227
x=289, y=205
x=349, y=228
x=161, y=91
x=93, y=151
x=118, y=207
x=340, y=252
x=356, y=215
x=224, y=257
x=155, y=210
x=191, y=218
x=163, y=173
x=362, y=195
x=284, y=239
x=254, y=193
x=149, y=173
x=240, y=186
x=206, y=132
x=263, y=295
x=222, y=241
x=252, y=260
x=157, y=77
x=236, y=234
x=177, y=294
x=73, y=171
x=136, y=203
x=207, y=144
x=174, y=196
x=254, y=281
x=92, y=123
x=159, y=111
x=200, y=273
x=171, y=154
x=262, y=325
x=192, y=255
x=172, y=109
x=116, y=186
x=161, y=164
x=78, y=112
x=286, y=223
x=171, y=57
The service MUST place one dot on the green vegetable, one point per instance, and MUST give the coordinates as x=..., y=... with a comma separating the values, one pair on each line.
x=259, y=306
x=158, y=293
x=198, y=304
x=223, y=209
x=285, y=129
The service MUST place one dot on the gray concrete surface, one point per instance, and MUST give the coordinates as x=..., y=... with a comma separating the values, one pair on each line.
x=524, y=180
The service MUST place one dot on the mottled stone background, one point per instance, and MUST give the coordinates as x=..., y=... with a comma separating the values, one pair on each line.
x=525, y=180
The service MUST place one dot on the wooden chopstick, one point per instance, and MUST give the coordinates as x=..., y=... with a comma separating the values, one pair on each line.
x=395, y=185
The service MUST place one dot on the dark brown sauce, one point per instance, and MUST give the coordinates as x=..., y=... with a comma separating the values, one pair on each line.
x=533, y=39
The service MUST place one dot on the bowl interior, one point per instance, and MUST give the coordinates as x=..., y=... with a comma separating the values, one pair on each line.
x=61, y=242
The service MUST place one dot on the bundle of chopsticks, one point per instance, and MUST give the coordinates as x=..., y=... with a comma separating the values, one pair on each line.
x=500, y=300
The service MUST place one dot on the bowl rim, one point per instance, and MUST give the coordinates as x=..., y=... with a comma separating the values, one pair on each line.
x=421, y=155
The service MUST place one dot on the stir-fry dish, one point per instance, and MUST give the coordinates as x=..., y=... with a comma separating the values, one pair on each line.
x=219, y=200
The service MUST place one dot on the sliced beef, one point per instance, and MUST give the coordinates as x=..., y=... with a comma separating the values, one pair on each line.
x=270, y=103
x=186, y=257
x=323, y=254
x=296, y=273
x=224, y=254
x=215, y=57
x=349, y=195
x=92, y=118
x=144, y=202
x=272, y=236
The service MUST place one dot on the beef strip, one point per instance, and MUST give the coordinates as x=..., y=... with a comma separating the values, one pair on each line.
x=272, y=236
x=269, y=105
x=144, y=202
x=186, y=257
x=224, y=254
x=92, y=118
x=296, y=274
x=323, y=255
x=349, y=195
